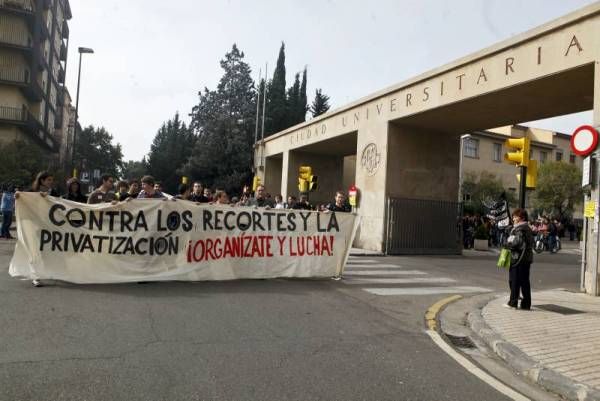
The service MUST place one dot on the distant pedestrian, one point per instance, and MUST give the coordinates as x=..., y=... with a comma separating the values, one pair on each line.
x=520, y=243
x=104, y=193
x=7, y=209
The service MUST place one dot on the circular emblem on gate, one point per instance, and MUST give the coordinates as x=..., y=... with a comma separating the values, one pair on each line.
x=370, y=159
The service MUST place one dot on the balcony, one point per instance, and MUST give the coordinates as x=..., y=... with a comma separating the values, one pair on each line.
x=14, y=75
x=17, y=38
x=22, y=117
x=13, y=115
x=17, y=6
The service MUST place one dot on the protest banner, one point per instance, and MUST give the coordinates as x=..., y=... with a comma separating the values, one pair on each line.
x=153, y=240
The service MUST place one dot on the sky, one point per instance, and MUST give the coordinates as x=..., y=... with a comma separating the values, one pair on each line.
x=151, y=57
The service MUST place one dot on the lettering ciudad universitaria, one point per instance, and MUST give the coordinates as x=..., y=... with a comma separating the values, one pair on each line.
x=149, y=240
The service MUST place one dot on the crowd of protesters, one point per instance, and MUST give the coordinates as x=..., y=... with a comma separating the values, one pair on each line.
x=475, y=226
x=110, y=191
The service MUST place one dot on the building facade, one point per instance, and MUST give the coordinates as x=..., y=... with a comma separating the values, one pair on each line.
x=400, y=146
x=483, y=151
x=34, y=36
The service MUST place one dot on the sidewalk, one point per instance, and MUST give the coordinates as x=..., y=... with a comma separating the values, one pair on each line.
x=556, y=344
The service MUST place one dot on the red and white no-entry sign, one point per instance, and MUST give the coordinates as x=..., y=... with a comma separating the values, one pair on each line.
x=584, y=140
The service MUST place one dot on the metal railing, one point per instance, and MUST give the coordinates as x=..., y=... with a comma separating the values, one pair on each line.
x=16, y=37
x=423, y=227
x=14, y=74
x=20, y=5
x=13, y=114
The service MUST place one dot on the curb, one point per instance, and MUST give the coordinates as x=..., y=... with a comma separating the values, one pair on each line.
x=367, y=253
x=526, y=366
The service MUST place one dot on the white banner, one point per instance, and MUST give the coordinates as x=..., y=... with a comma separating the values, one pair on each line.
x=154, y=240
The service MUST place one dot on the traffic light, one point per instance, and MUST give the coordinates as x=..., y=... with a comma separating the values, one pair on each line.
x=520, y=156
x=305, y=172
x=313, y=184
x=255, y=183
x=304, y=178
x=302, y=185
x=531, y=179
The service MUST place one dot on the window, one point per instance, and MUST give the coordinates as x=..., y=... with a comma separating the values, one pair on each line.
x=543, y=157
x=471, y=147
x=530, y=154
x=497, y=154
x=572, y=159
x=558, y=156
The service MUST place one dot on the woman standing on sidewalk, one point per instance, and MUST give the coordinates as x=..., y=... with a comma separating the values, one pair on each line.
x=520, y=243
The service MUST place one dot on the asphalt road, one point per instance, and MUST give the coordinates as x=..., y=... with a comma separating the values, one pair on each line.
x=241, y=340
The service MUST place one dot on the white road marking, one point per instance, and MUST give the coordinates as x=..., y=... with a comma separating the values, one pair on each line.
x=415, y=280
x=380, y=272
x=470, y=367
x=359, y=260
x=425, y=290
x=374, y=266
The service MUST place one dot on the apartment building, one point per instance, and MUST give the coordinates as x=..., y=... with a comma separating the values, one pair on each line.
x=484, y=151
x=34, y=36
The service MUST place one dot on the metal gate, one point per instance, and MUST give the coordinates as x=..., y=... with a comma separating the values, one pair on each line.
x=423, y=227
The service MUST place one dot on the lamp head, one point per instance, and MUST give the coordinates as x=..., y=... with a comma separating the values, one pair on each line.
x=85, y=50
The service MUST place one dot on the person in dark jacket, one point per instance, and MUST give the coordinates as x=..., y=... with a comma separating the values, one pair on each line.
x=520, y=243
x=74, y=191
x=339, y=204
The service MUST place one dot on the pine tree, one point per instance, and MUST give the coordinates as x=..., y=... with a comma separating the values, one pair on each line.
x=303, y=106
x=320, y=105
x=276, y=97
x=224, y=122
x=293, y=103
x=170, y=149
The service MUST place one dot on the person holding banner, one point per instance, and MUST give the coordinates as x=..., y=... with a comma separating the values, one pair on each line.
x=44, y=184
x=221, y=198
x=184, y=192
x=148, y=191
x=104, y=193
x=74, y=191
x=198, y=193
x=339, y=204
x=260, y=199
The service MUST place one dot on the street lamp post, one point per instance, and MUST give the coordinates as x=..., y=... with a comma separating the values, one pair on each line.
x=81, y=51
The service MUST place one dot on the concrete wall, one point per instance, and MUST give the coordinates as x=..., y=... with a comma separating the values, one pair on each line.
x=349, y=172
x=272, y=180
x=371, y=184
x=422, y=164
